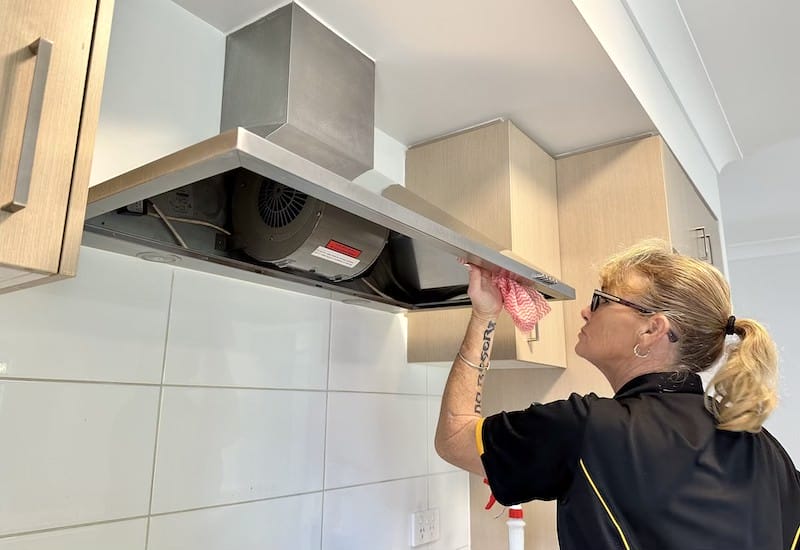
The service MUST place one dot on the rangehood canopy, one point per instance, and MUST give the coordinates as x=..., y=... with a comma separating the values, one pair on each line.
x=417, y=269
x=271, y=199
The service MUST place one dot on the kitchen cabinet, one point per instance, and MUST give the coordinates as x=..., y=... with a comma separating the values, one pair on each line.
x=52, y=63
x=612, y=197
x=496, y=180
x=694, y=230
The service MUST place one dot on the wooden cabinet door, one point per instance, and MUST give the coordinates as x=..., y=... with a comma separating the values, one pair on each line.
x=31, y=231
x=694, y=230
x=706, y=229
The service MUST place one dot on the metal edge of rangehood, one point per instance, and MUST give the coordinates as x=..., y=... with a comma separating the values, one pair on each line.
x=239, y=147
x=191, y=164
x=270, y=160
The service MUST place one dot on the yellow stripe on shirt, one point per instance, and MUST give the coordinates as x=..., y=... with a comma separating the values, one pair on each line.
x=796, y=536
x=479, y=436
x=603, y=502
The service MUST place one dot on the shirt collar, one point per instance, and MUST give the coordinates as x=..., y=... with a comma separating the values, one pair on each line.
x=662, y=382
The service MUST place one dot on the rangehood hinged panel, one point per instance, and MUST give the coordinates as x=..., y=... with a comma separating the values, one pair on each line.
x=404, y=253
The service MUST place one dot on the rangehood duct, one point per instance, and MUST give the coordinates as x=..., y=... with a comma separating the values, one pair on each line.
x=271, y=199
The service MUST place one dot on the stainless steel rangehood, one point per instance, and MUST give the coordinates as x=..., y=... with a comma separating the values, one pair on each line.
x=271, y=199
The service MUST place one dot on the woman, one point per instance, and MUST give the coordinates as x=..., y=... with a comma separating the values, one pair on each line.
x=660, y=465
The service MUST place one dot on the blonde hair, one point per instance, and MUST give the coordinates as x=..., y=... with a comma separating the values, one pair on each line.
x=695, y=297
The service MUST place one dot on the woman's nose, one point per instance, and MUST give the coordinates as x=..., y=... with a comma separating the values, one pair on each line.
x=586, y=312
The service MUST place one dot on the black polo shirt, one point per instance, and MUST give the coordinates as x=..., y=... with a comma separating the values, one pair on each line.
x=646, y=470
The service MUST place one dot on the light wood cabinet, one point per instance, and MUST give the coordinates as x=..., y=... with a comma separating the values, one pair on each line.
x=609, y=199
x=499, y=182
x=52, y=62
x=694, y=230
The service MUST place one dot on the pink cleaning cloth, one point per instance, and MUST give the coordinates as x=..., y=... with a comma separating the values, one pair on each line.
x=525, y=305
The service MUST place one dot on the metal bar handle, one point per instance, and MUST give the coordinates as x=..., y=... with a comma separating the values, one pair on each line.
x=706, y=241
x=534, y=334
x=42, y=49
x=710, y=250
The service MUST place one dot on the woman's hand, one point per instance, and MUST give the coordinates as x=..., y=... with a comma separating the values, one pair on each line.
x=486, y=299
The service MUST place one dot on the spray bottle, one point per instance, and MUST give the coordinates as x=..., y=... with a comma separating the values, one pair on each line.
x=516, y=525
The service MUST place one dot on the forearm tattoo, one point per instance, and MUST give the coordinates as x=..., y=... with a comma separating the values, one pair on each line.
x=487, y=341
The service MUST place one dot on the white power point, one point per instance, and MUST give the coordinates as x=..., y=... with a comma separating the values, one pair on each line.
x=424, y=527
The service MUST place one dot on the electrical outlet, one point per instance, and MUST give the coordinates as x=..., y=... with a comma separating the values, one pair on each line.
x=424, y=527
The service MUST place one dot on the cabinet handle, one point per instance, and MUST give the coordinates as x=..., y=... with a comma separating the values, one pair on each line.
x=42, y=49
x=534, y=334
x=710, y=250
x=706, y=242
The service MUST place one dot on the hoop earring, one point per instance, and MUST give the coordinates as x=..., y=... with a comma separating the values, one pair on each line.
x=639, y=355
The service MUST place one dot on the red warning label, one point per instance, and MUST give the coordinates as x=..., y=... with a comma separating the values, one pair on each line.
x=343, y=249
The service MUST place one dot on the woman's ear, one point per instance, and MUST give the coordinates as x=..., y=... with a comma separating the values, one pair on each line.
x=658, y=326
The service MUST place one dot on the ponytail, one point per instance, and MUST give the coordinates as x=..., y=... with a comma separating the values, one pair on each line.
x=743, y=392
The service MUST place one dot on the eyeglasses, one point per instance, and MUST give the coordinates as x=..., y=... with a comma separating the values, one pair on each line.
x=599, y=295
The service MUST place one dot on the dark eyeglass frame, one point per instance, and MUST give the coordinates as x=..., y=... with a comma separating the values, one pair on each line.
x=598, y=295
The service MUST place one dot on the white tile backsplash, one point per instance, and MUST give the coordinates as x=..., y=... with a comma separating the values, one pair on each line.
x=74, y=453
x=449, y=493
x=221, y=445
x=437, y=376
x=251, y=429
x=278, y=524
x=368, y=353
x=224, y=332
x=108, y=323
x=374, y=437
x=118, y=535
x=372, y=516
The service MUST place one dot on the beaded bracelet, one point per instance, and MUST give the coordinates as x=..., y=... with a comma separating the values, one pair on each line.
x=471, y=364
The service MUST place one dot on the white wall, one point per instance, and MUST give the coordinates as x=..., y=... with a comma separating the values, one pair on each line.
x=760, y=196
x=163, y=85
x=144, y=407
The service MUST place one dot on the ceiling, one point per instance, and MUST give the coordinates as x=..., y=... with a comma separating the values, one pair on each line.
x=446, y=65
x=750, y=50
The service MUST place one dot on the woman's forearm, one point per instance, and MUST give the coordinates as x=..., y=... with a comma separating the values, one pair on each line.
x=462, y=400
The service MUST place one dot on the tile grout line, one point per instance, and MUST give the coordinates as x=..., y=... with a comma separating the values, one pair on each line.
x=205, y=386
x=325, y=429
x=72, y=526
x=428, y=450
x=158, y=412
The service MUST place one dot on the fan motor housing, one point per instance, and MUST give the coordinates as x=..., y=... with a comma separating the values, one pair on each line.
x=279, y=225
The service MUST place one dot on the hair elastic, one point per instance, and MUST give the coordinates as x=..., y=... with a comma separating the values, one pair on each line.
x=729, y=327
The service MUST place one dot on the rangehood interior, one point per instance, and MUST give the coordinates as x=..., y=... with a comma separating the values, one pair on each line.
x=271, y=198
x=415, y=267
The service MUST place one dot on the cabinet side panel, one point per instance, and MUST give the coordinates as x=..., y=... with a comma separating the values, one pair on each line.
x=535, y=237
x=73, y=230
x=436, y=336
x=467, y=176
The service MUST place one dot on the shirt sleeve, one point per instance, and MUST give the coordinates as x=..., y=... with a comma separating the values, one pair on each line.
x=533, y=453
